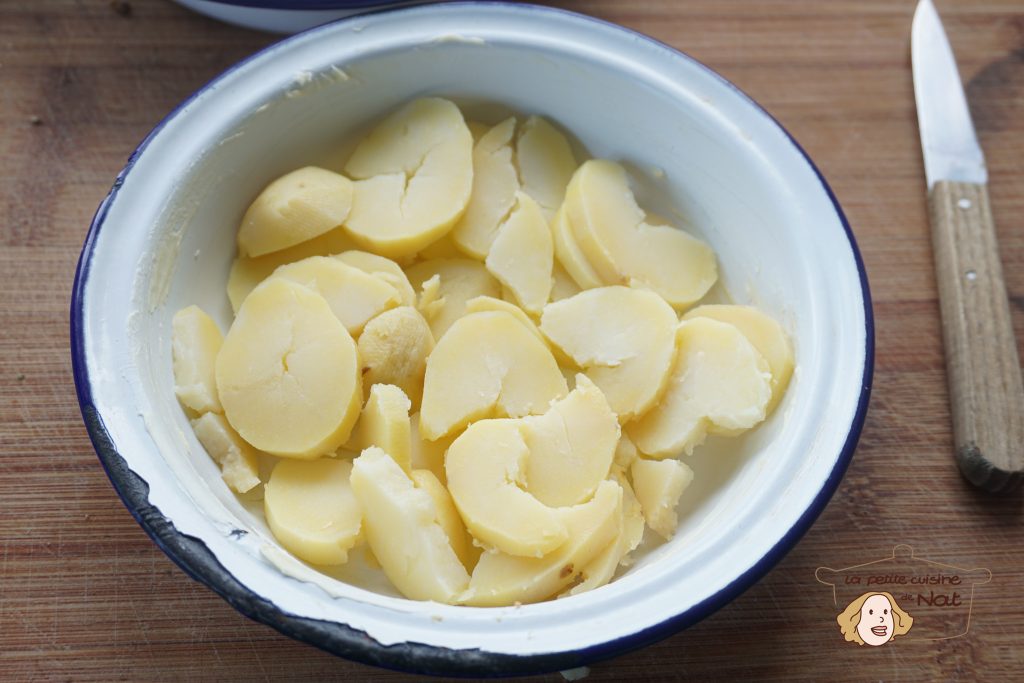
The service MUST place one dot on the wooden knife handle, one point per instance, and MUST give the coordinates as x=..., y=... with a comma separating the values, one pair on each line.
x=986, y=391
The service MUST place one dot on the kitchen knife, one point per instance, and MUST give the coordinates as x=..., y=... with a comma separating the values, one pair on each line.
x=985, y=386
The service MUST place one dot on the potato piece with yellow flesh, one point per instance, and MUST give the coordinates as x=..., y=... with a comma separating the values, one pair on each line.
x=571, y=446
x=353, y=295
x=624, y=249
x=414, y=175
x=312, y=510
x=719, y=383
x=247, y=272
x=444, y=247
x=601, y=569
x=658, y=485
x=195, y=342
x=569, y=254
x=384, y=423
x=448, y=517
x=486, y=469
x=288, y=373
x=477, y=129
x=522, y=255
x=384, y=268
x=488, y=364
x=764, y=333
x=393, y=349
x=503, y=579
x=495, y=184
x=624, y=339
x=460, y=280
x=562, y=284
x=428, y=455
x=625, y=452
x=295, y=208
x=239, y=462
x=489, y=303
x=546, y=163
x=402, y=528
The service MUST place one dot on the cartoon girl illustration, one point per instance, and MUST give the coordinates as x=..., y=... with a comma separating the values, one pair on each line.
x=874, y=619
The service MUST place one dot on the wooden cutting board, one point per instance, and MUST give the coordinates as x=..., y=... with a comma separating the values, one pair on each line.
x=84, y=593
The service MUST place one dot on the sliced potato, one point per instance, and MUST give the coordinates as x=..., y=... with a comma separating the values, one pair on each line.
x=428, y=455
x=571, y=446
x=247, y=272
x=414, y=175
x=460, y=280
x=489, y=303
x=239, y=462
x=601, y=569
x=486, y=468
x=384, y=423
x=495, y=184
x=295, y=208
x=384, y=268
x=393, y=349
x=658, y=485
x=624, y=249
x=546, y=163
x=522, y=255
x=448, y=517
x=569, y=254
x=195, y=342
x=354, y=295
x=488, y=364
x=719, y=383
x=503, y=579
x=624, y=339
x=562, y=284
x=311, y=509
x=288, y=373
x=767, y=336
x=403, y=531
x=625, y=451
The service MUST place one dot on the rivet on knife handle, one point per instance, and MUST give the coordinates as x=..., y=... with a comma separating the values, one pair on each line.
x=986, y=389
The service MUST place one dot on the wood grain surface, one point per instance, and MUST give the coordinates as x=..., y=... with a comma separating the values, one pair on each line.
x=84, y=593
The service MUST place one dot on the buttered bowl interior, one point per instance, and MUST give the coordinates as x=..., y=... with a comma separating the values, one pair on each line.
x=696, y=148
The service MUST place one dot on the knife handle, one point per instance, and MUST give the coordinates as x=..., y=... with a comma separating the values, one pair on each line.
x=985, y=386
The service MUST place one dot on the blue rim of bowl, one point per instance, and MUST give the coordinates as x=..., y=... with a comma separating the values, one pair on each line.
x=196, y=560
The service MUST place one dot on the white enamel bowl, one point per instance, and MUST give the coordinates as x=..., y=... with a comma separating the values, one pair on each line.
x=164, y=238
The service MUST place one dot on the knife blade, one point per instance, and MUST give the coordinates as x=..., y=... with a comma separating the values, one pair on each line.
x=983, y=369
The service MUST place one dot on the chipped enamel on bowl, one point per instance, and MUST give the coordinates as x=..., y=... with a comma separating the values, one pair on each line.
x=164, y=239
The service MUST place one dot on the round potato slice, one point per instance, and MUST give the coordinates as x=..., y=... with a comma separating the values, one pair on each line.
x=658, y=485
x=569, y=254
x=571, y=446
x=247, y=272
x=502, y=579
x=295, y=208
x=719, y=383
x=495, y=184
x=195, y=342
x=624, y=249
x=488, y=364
x=384, y=268
x=764, y=333
x=311, y=509
x=354, y=295
x=624, y=339
x=448, y=517
x=288, y=374
x=546, y=163
x=459, y=281
x=522, y=255
x=414, y=175
x=484, y=466
x=404, y=532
